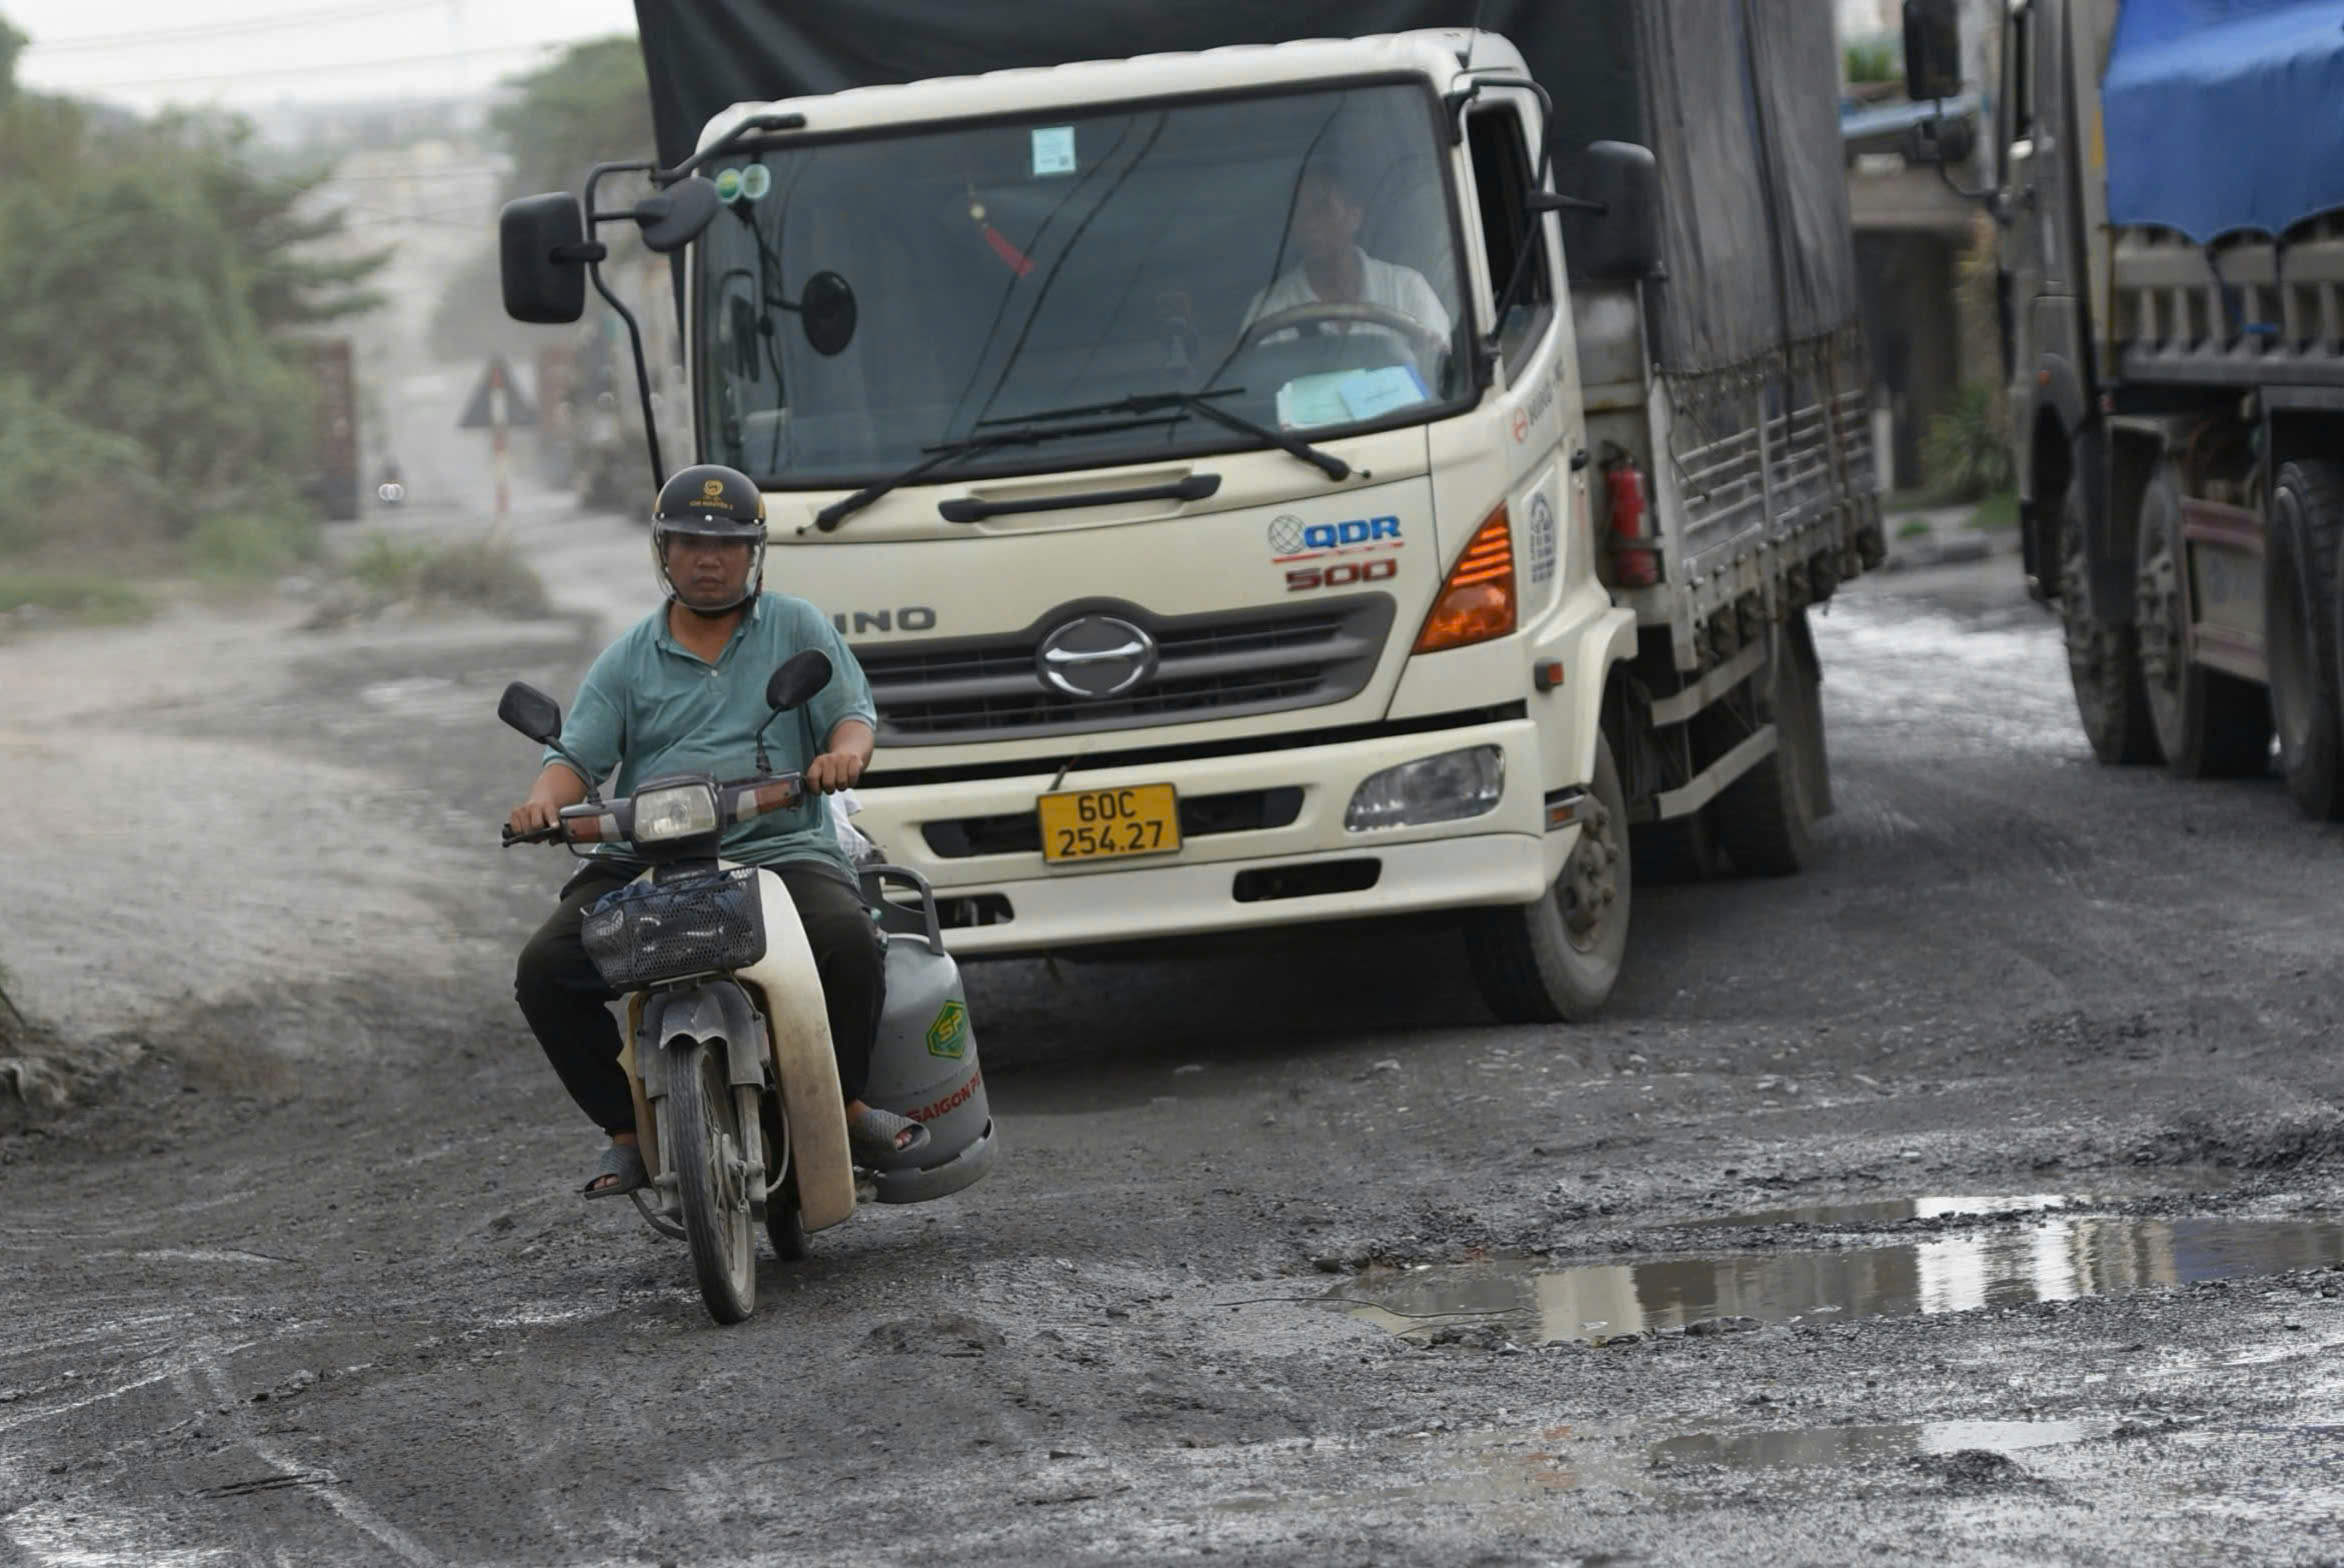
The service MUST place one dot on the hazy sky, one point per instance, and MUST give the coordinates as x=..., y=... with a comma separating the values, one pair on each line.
x=252, y=53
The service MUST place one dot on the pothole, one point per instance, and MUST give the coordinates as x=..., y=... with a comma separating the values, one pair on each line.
x=2056, y=1259
x=1852, y=1445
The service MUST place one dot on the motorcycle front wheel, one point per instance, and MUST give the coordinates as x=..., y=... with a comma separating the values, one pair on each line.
x=711, y=1181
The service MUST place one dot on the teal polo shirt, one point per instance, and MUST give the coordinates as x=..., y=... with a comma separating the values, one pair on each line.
x=649, y=707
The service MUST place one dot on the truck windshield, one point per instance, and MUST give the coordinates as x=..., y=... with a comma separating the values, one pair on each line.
x=1296, y=247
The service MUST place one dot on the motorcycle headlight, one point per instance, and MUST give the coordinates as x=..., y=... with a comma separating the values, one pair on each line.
x=678, y=811
x=1447, y=788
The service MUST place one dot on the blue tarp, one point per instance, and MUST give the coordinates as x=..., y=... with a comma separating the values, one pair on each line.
x=2225, y=115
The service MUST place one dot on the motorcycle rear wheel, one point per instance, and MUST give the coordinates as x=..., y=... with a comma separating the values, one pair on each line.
x=711, y=1184
x=785, y=1227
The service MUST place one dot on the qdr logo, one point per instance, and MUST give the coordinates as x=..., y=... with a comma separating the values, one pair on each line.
x=1291, y=539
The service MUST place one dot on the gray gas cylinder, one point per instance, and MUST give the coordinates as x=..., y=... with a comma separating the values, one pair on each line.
x=924, y=1064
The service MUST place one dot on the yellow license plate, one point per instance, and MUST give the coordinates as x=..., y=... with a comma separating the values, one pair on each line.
x=1107, y=824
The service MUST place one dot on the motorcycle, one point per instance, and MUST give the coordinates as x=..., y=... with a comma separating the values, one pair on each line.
x=738, y=1109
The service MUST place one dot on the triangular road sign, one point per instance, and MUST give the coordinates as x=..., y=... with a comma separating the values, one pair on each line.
x=479, y=411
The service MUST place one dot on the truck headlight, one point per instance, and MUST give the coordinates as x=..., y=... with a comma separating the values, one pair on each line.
x=678, y=811
x=1447, y=788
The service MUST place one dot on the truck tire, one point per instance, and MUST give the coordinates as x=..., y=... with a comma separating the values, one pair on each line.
x=1765, y=819
x=2209, y=725
x=2300, y=561
x=1555, y=960
x=1682, y=849
x=2103, y=655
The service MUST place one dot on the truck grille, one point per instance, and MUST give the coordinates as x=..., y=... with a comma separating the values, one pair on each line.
x=1229, y=664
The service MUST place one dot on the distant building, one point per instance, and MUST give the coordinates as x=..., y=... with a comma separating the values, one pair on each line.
x=1912, y=231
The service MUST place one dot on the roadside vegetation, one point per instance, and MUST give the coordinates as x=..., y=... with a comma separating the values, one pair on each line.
x=1965, y=454
x=155, y=287
x=484, y=574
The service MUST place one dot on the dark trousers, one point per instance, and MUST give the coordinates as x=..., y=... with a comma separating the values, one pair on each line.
x=562, y=994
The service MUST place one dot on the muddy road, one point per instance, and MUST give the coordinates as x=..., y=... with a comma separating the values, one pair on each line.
x=1973, y=1197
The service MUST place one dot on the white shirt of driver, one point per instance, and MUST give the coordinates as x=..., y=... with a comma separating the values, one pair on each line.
x=1384, y=283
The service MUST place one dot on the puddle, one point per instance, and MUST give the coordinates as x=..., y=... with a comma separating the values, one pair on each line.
x=2184, y=1182
x=1850, y=1445
x=1891, y=1211
x=2056, y=1259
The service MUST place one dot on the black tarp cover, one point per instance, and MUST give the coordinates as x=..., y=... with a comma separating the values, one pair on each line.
x=1738, y=99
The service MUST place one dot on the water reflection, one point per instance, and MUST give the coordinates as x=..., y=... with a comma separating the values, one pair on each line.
x=2060, y=1259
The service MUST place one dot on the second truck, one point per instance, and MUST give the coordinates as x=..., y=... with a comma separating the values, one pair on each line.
x=2170, y=198
x=1273, y=479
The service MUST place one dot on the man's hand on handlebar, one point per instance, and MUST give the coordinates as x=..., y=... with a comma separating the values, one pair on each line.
x=532, y=815
x=833, y=771
x=838, y=767
x=556, y=787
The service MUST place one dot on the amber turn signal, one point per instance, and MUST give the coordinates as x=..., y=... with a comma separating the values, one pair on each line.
x=1477, y=602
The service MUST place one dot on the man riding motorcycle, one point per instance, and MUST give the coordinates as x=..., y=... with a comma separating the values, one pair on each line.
x=684, y=691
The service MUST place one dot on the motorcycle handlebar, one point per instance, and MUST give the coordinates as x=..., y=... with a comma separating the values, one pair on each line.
x=607, y=821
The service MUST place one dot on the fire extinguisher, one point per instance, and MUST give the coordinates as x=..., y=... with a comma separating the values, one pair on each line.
x=1635, y=564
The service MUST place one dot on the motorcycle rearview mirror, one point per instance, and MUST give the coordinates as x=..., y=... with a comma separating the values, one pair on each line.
x=674, y=217
x=531, y=712
x=790, y=686
x=799, y=677
x=539, y=717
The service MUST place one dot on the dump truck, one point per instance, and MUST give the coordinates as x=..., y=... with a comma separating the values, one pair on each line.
x=1272, y=478
x=2170, y=199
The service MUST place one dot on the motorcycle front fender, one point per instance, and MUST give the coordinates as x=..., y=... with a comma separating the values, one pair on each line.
x=717, y=1013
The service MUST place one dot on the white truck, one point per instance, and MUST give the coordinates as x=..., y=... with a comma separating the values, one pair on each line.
x=1286, y=481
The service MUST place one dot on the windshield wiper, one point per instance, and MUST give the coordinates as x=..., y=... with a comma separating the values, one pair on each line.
x=1199, y=403
x=944, y=456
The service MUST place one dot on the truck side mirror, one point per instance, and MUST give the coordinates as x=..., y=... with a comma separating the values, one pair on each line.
x=1932, y=49
x=540, y=245
x=1611, y=223
x=674, y=217
x=1947, y=141
x=827, y=311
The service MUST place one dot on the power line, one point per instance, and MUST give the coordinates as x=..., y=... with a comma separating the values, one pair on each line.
x=112, y=83
x=267, y=24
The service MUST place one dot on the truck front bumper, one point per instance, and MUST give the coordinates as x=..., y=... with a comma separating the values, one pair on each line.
x=1306, y=868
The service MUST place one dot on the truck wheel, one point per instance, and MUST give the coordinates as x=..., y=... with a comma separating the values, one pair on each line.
x=1556, y=960
x=1682, y=849
x=2300, y=551
x=2209, y=725
x=2103, y=656
x=1765, y=818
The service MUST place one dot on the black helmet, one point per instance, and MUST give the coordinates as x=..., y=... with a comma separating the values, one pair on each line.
x=714, y=502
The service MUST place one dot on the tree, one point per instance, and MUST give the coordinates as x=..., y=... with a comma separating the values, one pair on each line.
x=590, y=105
x=290, y=281
x=149, y=279
x=12, y=45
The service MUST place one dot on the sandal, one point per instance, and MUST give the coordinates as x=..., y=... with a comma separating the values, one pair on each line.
x=878, y=1132
x=624, y=1161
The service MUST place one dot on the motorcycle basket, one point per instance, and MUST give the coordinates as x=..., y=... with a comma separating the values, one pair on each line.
x=651, y=931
